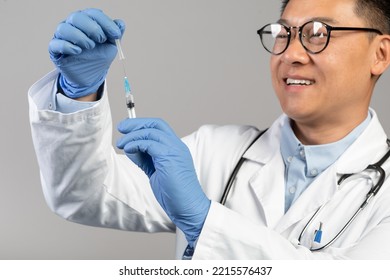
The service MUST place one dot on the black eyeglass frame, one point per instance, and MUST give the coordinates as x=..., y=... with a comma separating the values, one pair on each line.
x=328, y=27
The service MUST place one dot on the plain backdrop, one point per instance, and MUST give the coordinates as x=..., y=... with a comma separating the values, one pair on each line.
x=190, y=62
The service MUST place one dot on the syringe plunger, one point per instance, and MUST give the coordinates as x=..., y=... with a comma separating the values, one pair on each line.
x=120, y=51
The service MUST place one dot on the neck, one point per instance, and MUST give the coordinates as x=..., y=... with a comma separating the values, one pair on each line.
x=319, y=134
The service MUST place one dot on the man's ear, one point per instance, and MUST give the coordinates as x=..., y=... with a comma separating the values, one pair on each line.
x=382, y=55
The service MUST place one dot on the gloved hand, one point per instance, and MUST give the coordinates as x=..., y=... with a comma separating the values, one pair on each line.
x=83, y=48
x=154, y=147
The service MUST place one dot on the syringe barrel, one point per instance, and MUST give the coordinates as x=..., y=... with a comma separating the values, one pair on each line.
x=129, y=96
x=131, y=113
x=130, y=105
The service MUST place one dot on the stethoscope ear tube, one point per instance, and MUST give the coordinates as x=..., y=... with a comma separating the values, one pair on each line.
x=236, y=169
x=230, y=181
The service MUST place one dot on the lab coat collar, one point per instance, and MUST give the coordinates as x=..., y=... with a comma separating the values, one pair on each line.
x=264, y=149
x=367, y=147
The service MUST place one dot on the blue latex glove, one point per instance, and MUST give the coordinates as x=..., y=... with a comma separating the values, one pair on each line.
x=154, y=147
x=83, y=48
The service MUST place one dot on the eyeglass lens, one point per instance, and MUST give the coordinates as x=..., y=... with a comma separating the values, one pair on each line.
x=276, y=37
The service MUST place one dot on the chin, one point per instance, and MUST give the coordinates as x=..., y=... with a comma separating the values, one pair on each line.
x=298, y=114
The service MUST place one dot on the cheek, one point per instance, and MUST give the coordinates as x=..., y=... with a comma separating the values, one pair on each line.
x=348, y=63
x=330, y=70
x=336, y=69
x=273, y=65
x=348, y=75
x=345, y=79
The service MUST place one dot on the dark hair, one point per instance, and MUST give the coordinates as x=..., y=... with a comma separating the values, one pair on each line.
x=375, y=12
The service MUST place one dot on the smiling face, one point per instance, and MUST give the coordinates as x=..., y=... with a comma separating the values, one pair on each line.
x=332, y=88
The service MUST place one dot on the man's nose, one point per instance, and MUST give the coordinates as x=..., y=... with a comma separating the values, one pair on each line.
x=295, y=52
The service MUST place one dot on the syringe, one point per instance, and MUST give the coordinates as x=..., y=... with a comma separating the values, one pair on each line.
x=129, y=96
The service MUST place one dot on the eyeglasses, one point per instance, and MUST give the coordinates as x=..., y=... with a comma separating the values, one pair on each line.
x=313, y=35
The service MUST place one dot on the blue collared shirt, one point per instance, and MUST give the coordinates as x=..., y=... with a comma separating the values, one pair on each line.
x=303, y=163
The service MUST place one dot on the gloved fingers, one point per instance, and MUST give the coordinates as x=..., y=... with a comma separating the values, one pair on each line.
x=150, y=147
x=74, y=35
x=129, y=125
x=148, y=134
x=109, y=27
x=87, y=25
x=58, y=47
x=143, y=161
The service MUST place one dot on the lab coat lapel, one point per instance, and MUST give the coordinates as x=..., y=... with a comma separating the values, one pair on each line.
x=268, y=185
x=321, y=190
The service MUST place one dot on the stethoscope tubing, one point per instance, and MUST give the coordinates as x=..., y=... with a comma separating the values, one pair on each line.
x=232, y=177
x=337, y=235
x=372, y=192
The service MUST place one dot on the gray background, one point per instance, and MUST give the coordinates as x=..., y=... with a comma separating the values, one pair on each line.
x=189, y=62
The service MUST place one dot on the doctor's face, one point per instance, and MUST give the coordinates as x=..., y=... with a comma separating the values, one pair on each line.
x=337, y=81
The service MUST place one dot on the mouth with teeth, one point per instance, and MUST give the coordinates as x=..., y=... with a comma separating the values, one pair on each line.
x=295, y=82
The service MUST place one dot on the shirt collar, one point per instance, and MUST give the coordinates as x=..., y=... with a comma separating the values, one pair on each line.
x=316, y=157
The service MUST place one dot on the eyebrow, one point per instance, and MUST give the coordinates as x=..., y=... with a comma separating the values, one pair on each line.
x=327, y=20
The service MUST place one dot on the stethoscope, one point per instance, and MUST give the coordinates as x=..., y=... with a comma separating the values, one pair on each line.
x=377, y=167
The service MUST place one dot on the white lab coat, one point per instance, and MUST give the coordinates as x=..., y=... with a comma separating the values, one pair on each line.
x=85, y=181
